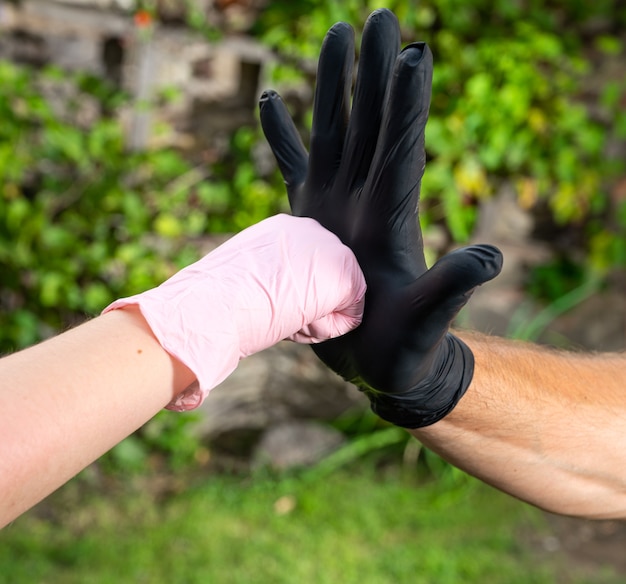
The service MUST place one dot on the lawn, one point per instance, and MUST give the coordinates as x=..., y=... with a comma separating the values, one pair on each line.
x=354, y=526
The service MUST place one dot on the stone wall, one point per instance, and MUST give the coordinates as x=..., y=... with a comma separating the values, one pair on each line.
x=101, y=37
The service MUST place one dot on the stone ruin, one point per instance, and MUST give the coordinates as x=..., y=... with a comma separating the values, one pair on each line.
x=218, y=82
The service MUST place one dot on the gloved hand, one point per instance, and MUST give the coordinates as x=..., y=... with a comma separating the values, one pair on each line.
x=361, y=179
x=285, y=277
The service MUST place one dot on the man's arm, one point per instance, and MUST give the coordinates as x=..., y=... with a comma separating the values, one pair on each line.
x=547, y=427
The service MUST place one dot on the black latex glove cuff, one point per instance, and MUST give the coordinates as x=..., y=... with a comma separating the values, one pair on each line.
x=441, y=392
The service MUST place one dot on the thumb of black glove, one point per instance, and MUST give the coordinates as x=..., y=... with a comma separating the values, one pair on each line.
x=440, y=365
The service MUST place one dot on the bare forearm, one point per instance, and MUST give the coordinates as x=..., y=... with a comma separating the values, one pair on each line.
x=545, y=426
x=68, y=400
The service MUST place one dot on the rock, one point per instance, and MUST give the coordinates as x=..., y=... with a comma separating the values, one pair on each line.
x=218, y=81
x=282, y=384
x=505, y=224
x=296, y=444
x=502, y=219
x=590, y=326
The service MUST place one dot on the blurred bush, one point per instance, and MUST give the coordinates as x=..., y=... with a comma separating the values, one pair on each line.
x=507, y=104
x=83, y=220
x=76, y=209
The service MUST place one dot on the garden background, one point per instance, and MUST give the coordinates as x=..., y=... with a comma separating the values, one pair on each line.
x=130, y=145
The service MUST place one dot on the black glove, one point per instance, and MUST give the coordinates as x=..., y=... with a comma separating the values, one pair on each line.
x=361, y=180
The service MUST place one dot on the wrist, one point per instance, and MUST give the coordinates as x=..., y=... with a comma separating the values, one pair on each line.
x=202, y=345
x=133, y=318
x=434, y=397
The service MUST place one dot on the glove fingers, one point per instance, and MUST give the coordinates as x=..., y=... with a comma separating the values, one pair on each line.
x=398, y=165
x=440, y=293
x=399, y=161
x=285, y=142
x=379, y=49
x=391, y=193
x=331, y=325
x=331, y=105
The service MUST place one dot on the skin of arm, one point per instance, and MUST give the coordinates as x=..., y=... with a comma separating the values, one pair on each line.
x=545, y=426
x=64, y=403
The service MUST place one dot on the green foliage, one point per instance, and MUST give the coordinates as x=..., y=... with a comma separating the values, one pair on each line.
x=552, y=280
x=239, y=193
x=83, y=220
x=510, y=117
x=506, y=103
x=167, y=439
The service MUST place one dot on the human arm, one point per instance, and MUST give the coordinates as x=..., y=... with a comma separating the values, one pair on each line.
x=546, y=426
x=535, y=423
x=68, y=400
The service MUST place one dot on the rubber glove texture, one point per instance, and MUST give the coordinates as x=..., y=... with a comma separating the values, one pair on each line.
x=283, y=278
x=361, y=179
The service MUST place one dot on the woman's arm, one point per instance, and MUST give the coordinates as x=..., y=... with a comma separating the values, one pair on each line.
x=545, y=426
x=70, y=399
x=65, y=402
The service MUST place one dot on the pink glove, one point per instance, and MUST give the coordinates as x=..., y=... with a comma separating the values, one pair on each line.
x=285, y=277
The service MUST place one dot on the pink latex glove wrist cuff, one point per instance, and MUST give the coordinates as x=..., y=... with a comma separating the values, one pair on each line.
x=283, y=278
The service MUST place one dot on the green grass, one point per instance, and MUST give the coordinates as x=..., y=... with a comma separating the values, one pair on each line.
x=348, y=527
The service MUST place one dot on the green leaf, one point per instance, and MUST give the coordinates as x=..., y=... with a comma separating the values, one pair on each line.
x=51, y=288
x=168, y=225
x=130, y=455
